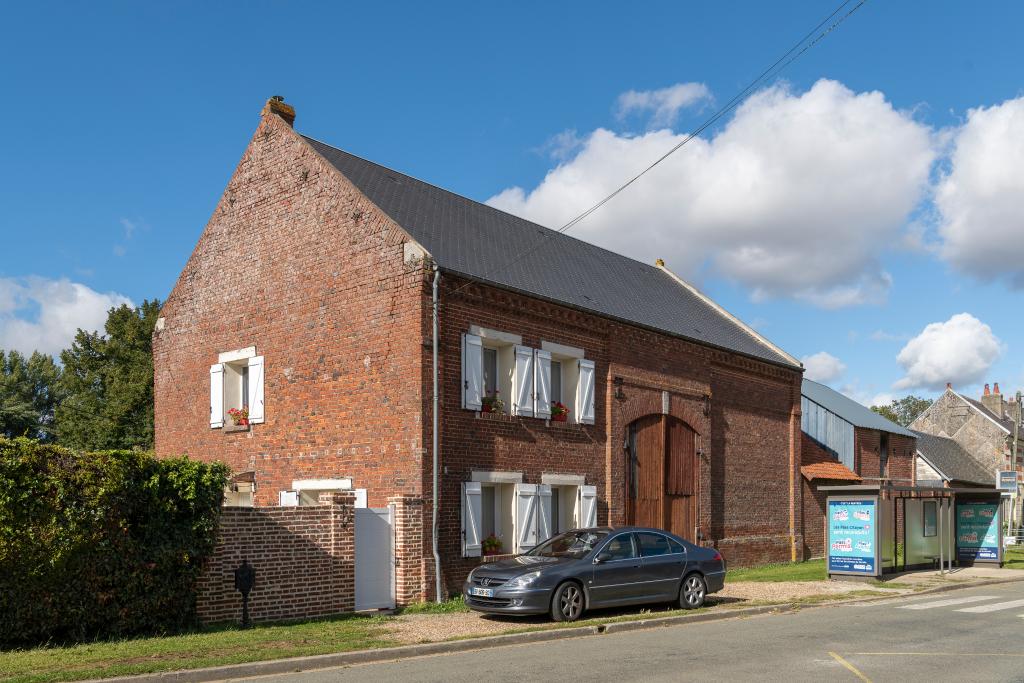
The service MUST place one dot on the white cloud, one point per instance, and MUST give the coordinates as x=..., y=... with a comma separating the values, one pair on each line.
x=795, y=197
x=960, y=350
x=822, y=367
x=37, y=314
x=562, y=145
x=979, y=199
x=664, y=104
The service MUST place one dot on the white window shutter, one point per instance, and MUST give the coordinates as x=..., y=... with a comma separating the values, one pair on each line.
x=586, y=507
x=256, y=411
x=585, y=392
x=472, y=372
x=543, y=512
x=542, y=383
x=526, y=517
x=522, y=382
x=471, y=519
x=216, y=396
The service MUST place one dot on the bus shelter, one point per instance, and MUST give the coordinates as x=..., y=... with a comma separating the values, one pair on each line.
x=873, y=530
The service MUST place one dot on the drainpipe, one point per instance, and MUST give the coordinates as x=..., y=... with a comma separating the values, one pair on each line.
x=433, y=447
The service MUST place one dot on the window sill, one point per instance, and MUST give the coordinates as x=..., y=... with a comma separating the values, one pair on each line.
x=487, y=559
x=235, y=428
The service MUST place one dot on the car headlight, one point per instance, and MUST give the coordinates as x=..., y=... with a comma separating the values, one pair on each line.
x=523, y=580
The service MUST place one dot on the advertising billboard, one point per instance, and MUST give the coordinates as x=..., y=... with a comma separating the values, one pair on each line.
x=977, y=532
x=853, y=535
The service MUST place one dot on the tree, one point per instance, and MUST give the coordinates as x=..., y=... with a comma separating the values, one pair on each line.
x=107, y=383
x=28, y=395
x=905, y=410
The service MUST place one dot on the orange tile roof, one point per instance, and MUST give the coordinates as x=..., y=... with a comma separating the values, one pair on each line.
x=828, y=470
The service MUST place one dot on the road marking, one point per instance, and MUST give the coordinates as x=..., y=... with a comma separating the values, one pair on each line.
x=850, y=667
x=995, y=607
x=948, y=601
x=937, y=654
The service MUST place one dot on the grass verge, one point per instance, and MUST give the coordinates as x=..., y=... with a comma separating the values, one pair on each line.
x=210, y=647
x=1013, y=557
x=456, y=604
x=812, y=570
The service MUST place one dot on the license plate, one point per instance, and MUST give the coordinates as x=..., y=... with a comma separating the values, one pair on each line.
x=482, y=592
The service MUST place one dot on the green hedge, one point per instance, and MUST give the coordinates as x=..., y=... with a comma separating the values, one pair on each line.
x=97, y=545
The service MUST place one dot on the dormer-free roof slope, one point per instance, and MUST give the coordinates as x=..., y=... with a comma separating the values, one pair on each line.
x=480, y=242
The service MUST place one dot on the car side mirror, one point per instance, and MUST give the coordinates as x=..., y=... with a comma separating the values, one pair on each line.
x=602, y=557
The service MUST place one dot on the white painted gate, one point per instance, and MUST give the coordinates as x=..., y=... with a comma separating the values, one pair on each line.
x=375, y=558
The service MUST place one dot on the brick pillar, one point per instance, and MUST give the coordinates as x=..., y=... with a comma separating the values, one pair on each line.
x=413, y=559
x=343, y=549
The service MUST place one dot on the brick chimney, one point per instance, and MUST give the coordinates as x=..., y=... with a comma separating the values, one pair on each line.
x=993, y=400
x=276, y=105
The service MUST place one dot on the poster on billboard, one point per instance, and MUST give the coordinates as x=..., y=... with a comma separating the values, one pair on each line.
x=853, y=535
x=977, y=532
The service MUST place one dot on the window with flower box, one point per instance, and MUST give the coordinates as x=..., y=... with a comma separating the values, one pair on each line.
x=236, y=389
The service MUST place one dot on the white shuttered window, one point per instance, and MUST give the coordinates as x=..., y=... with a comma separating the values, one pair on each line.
x=586, y=507
x=471, y=519
x=256, y=412
x=522, y=382
x=585, y=392
x=526, y=517
x=216, y=395
x=472, y=372
x=542, y=384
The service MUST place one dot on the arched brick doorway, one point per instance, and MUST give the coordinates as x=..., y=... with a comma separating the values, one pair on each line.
x=662, y=475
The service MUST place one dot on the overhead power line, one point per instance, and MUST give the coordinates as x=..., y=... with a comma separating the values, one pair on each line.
x=812, y=38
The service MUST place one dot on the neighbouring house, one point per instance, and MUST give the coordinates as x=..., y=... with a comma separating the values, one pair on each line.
x=983, y=428
x=941, y=461
x=576, y=386
x=846, y=443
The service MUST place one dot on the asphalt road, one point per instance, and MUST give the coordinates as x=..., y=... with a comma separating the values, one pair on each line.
x=974, y=634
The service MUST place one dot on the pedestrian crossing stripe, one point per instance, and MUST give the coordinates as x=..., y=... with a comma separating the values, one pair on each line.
x=995, y=607
x=949, y=601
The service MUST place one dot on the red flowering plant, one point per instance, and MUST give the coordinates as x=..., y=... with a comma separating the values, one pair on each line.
x=559, y=411
x=240, y=416
x=491, y=545
x=491, y=403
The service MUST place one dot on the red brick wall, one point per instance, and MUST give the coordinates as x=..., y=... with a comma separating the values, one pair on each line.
x=749, y=441
x=814, y=501
x=867, y=445
x=304, y=559
x=298, y=263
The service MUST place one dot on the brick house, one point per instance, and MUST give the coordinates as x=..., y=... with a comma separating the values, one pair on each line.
x=309, y=300
x=845, y=443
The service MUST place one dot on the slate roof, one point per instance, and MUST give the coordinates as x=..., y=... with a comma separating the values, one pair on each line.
x=1004, y=422
x=835, y=471
x=850, y=410
x=478, y=241
x=951, y=460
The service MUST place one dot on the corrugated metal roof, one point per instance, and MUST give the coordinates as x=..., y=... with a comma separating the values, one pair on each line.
x=475, y=240
x=951, y=460
x=850, y=410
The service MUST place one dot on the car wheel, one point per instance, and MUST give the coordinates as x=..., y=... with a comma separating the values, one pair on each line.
x=567, y=603
x=693, y=592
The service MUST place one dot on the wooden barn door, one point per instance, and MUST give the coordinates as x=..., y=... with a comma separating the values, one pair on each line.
x=662, y=475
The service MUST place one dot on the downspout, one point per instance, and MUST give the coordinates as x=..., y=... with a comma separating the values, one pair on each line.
x=433, y=447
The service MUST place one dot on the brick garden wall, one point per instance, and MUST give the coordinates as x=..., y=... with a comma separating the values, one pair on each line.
x=304, y=559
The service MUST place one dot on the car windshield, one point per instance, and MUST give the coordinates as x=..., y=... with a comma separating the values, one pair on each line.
x=574, y=544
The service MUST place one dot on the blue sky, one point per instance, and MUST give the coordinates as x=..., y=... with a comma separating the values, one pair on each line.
x=125, y=120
